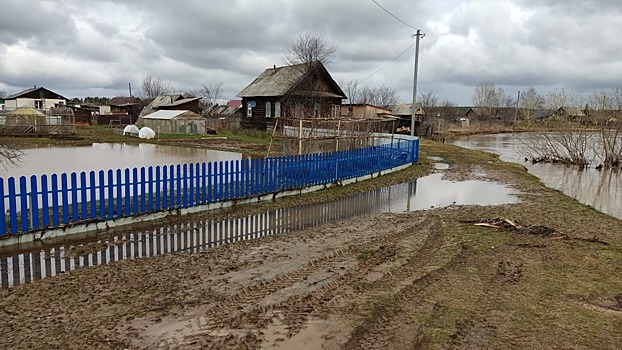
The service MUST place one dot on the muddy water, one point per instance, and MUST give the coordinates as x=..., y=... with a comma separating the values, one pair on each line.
x=600, y=189
x=425, y=193
x=47, y=159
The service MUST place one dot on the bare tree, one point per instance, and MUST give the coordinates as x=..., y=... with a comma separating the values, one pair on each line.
x=9, y=156
x=211, y=93
x=556, y=99
x=487, y=95
x=448, y=103
x=153, y=87
x=531, y=100
x=3, y=94
x=428, y=100
x=383, y=96
x=309, y=48
x=352, y=90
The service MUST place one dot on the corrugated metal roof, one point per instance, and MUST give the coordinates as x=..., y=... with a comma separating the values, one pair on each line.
x=164, y=114
x=180, y=102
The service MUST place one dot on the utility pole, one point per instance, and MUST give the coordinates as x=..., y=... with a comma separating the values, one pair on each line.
x=418, y=36
x=516, y=111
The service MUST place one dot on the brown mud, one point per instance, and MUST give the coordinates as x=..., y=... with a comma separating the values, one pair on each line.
x=421, y=280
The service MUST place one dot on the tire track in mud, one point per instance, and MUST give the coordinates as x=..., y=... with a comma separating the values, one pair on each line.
x=242, y=316
x=382, y=327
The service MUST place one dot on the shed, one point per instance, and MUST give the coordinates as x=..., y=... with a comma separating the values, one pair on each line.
x=175, y=122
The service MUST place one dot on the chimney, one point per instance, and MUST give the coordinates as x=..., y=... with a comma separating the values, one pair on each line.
x=274, y=69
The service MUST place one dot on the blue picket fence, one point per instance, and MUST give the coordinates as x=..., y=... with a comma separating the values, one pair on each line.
x=44, y=202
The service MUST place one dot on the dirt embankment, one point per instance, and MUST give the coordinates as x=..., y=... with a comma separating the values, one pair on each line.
x=422, y=280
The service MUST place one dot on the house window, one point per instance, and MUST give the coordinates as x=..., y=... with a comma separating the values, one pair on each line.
x=316, y=110
x=268, y=109
x=336, y=111
x=298, y=111
x=249, y=110
x=277, y=109
x=38, y=104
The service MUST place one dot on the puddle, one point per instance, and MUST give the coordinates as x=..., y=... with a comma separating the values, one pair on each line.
x=441, y=166
x=17, y=267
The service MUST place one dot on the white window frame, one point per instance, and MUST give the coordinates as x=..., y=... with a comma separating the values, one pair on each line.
x=277, y=109
x=317, y=110
x=268, y=109
x=336, y=111
x=249, y=110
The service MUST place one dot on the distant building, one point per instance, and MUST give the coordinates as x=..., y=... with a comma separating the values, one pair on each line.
x=37, y=98
x=171, y=102
x=175, y=122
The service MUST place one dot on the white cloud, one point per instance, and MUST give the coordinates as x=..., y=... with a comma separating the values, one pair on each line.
x=78, y=48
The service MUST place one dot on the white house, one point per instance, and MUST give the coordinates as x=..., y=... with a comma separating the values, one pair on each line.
x=37, y=97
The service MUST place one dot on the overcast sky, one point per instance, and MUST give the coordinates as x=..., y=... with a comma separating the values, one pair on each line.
x=83, y=48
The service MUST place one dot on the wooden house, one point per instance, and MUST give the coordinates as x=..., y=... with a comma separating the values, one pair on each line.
x=128, y=106
x=299, y=91
x=570, y=114
x=363, y=111
x=37, y=98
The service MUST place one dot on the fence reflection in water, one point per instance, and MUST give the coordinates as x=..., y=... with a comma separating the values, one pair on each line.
x=200, y=235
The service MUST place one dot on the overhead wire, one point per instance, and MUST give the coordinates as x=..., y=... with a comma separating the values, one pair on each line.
x=388, y=63
x=403, y=52
x=392, y=15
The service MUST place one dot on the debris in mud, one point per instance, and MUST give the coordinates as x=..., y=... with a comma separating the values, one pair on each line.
x=507, y=224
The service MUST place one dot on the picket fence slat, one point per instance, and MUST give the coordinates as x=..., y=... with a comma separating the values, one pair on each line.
x=42, y=202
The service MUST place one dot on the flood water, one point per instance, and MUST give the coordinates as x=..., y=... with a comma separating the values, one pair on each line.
x=48, y=159
x=428, y=192
x=601, y=190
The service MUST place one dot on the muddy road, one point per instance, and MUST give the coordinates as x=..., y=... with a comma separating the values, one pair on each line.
x=422, y=280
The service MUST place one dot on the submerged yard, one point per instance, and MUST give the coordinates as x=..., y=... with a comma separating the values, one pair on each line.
x=429, y=279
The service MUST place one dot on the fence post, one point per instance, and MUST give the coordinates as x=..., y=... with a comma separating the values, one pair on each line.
x=34, y=203
x=23, y=201
x=102, y=195
x=12, y=206
x=126, y=185
x=82, y=190
x=210, y=179
x=45, y=204
x=2, y=209
x=158, y=179
x=203, y=183
x=150, y=184
x=143, y=192
x=93, y=194
x=55, y=207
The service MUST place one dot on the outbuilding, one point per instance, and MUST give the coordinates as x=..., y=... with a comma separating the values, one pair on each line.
x=175, y=122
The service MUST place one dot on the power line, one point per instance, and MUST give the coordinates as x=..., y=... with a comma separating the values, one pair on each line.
x=392, y=15
x=391, y=61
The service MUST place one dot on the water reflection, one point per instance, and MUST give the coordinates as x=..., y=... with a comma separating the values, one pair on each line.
x=427, y=192
x=599, y=189
x=48, y=159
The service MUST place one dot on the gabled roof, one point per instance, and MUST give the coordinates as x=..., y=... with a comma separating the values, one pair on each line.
x=572, y=111
x=279, y=81
x=48, y=94
x=404, y=109
x=168, y=114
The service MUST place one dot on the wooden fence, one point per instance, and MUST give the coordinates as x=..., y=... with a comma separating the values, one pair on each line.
x=44, y=202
